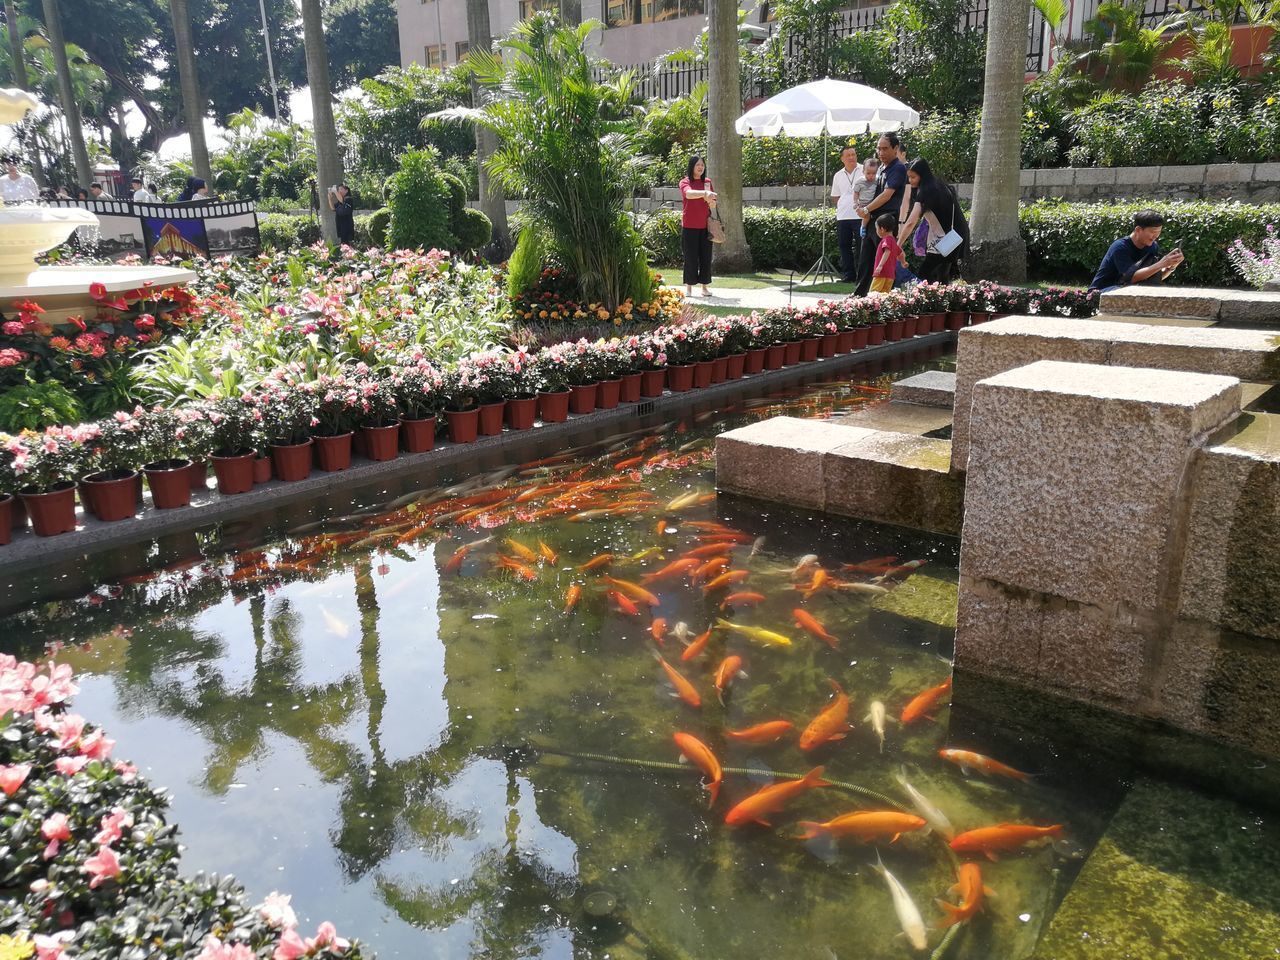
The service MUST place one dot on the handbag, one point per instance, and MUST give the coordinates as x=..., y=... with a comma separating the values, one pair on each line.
x=715, y=227
x=950, y=241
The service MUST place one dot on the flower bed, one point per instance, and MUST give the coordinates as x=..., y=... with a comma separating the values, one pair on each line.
x=89, y=865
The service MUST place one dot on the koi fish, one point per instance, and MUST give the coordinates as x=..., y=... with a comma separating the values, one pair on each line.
x=967, y=760
x=908, y=913
x=658, y=630
x=724, y=580
x=875, y=716
x=624, y=605
x=902, y=570
x=660, y=528
x=830, y=724
x=646, y=553
x=633, y=590
x=589, y=515
x=874, y=565
x=772, y=799
x=546, y=553
x=628, y=463
x=866, y=589
x=596, y=562
x=1002, y=837
x=938, y=821
x=804, y=565
x=757, y=546
x=742, y=599
x=521, y=570
x=338, y=628
x=571, y=596
x=730, y=667
x=711, y=568
x=684, y=689
x=924, y=704
x=521, y=551
x=454, y=563
x=672, y=570
x=865, y=825
x=969, y=885
x=807, y=621
x=820, y=579
x=760, y=635
x=707, y=550
x=770, y=731
x=700, y=755
x=682, y=501
x=698, y=644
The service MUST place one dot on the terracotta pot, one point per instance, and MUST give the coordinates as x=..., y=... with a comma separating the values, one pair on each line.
x=937, y=322
x=980, y=316
x=909, y=324
x=262, y=469
x=846, y=340
x=234, y=473
x=858, y=338
x=652, y=382
x=198, y=475
x=829, y=345
x=955, y=319
x=464, y=425
x=702, y=372
x=19, y=513
x=895, y=330
x=358, y=446
x=775, y=355
x=734, y=365
x=113, y=494
x=521, y=412
x=582, y=398
x=631, y=390
x=418, y=436
x=6, y=518
x=755, y=360
x=333, y=453
x=791, y=353
x=554, y=407
x=383, y=442
x=680, y=377
x=53, y=511
x=491, y=417
x=719, y=369
x=170, y=483
x=291, y=462
x=608, y=393
x=809, y=347
x=875, y=334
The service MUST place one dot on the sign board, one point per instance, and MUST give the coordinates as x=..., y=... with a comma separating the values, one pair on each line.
x=208, y=228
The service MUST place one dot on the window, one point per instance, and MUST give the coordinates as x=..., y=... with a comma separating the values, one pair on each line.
x=460, y=49
x=529, y=7
x=623, y=13
x=434, y=55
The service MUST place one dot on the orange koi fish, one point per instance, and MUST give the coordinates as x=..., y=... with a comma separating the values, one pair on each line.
x=521, y=551
x=1002, y=837
x=660, y=528
x=596, y=562
x=770, y=731
x=830, y=724
x=709, y=550
x=624, y=605
x=967, y=760
x=728, y=539
x=730, y=667
x=903, y=569
x=772, y=799
x=658, y=630
x=743, y=599
x=808, y=622
x=696, y=646
x=865, y=825
x=969, y=885
x=820, y=579
x=633, y=590
x=628, y=463
x=684, y=689
x=924, y=704
x=711, y=568
x=546, y=553
x=571, y=596
x=700, y=755
x=673, y=569
x=725, y=580
x=874, y=565
x=454, y=563
x=521, y=570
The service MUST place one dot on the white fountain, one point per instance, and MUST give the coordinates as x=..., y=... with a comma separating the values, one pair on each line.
x=28, y=229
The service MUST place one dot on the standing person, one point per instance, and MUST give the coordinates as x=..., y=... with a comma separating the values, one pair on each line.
x=343, y=214
x=844, y=191
x=698, y=199
x=190, y=192
x=16, y=186
x=97, y=193
x=82, y=193
x=890, y=182
x=887, y=254
x=1136, y=258
x=936, y=202
x=140, y=193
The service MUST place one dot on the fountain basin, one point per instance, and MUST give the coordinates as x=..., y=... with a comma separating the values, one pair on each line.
x=64, y=291
x=27, y=230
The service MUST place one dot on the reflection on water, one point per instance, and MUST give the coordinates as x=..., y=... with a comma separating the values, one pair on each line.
x=385, y=711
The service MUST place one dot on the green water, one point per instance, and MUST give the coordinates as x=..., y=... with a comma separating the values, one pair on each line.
x=342, y=716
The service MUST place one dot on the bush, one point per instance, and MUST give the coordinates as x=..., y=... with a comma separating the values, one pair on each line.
x=779, y=238
x=525, y=267
x=378, y=223
x=281, y=231
x=457, y=199
x=1163, y=124
x=473, y=230
x=419, y=204
x=36, y=405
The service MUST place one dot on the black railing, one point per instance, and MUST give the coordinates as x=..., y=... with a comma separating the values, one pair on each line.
x=1155, y=11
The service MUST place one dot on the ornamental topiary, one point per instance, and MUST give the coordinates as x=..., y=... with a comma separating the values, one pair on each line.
x=473, y=230
x=457, y=198
x=379, y=223
x=419, y=204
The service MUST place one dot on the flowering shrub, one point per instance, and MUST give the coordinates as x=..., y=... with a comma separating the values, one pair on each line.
x=42, y=461
x=235, y=425
x=549, y=304
x=288, y=405
x=1261, y=267
x=417, y=386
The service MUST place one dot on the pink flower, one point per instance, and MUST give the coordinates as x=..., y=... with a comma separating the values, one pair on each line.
x=96, y=746
x=12, y=777
x=51, y=948
x=55, y=829
x=104, y=865
x=290, y=946
x=70, y=766
x=215, y=949
x=275, y=910
x=111, y=827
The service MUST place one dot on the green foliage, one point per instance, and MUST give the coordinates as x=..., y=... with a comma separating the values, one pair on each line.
x=526, y=263
x=457, y=198
x=364, y=39
x=419, y=204
x=779, y=238
x=35, y=405
x=379, y=222
x=473, y=230
x=281, y=231
x=1124, y=52
x=1160, y=125
x=674, y=126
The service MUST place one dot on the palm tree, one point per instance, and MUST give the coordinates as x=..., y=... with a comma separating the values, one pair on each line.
x=328, y=159
x=724, y=148
x=193, y=105
x=70, y=110
x=493, y=203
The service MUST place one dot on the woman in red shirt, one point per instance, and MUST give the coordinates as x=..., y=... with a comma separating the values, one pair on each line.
x=698, y=200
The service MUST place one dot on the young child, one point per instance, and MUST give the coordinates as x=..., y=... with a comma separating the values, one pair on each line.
x=887, y=254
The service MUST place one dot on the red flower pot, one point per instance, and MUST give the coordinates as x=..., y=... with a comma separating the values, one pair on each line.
x=262, y=469
x=875, y=334
x=791, y=353
x=981, y=316
x=170, y=483
x=554, y=407
x=631, y=390
x=910, y=326
x=333, y=453
x=53, y=511
x=582, y=398
x=702, y=372
x=383, y=442
x=491, y=417
x=734, y=365
x=955, y=319
x=198, y=475
x=652, y=382
x=719, y=369
x=775, y=355
x=680, y=377
x=858, y=338
x=846, y=340
x=829, y=345
x=937, y=322
x=6, y=518
x=521, y=412
x=234, y=473
x=608, y=393
x=418, y=436
x=809, y=348
x=755, y=360
x=291, y=462
x=19, y=513
x=112, y=493
x=895, y=330
x=464, y=425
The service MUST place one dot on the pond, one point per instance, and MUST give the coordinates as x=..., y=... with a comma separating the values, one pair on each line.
x=437, y=716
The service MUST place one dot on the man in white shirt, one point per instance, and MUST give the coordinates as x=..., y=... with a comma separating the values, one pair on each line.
x=15, y=186
x=140, y=193
x=844, y=193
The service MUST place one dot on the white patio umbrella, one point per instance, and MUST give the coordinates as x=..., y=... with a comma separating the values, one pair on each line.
x=825, y=107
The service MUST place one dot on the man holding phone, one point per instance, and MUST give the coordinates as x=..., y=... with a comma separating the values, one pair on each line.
x=1136, y=258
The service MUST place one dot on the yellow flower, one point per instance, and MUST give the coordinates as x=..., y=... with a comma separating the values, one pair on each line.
x=542, y=314
x=15, y=947
x=1031, y=113
x=617, y=321
x=602, y=313
x=1270, y=101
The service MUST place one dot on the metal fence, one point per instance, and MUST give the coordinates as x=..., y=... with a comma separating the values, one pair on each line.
x=1154, y=11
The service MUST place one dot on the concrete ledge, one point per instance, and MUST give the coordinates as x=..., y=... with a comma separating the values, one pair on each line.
x=933, y=388
x=1240, y=307
x=780, y=459
x=895, y=417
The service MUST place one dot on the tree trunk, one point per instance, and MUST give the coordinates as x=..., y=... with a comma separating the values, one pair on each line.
x=493, y=203
x=193, y=105
x=724, y=148
x=70, y=110
x=20, y=78
x=328, y=159
x=997, y=249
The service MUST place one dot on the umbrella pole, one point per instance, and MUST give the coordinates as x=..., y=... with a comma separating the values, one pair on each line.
x=822, y=267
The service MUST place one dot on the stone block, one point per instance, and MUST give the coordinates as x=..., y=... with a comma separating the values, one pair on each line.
x=965, y=191
x=1147, y=176
x=1245, y=354
x=779, y=459
x=1266, y=172
x=1259, y=308
x=1026, y=178
x=1056, y=177
x=895, y=478
x=1218, y=173
x=750, y=194
x=933, y=388
x=1198, y=302
x=1091, y=461
x=898, y=418
x=773, y=193
x=1095, y=175
x=806, y=193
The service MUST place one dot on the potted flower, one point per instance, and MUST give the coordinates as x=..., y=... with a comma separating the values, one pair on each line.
x=418, y=390
x=605, y=362
x=165, y=467
x=552, y=370
x=705, y=340
x=337, y=412
x=10, y=447
x=379, y=415
x=462, y=409
x=111, y=491
x=585, y=375
x=522, y=397
x=808, y=330
x=679, y=350
x=233, y=434
x=651, y=360
x=196, y=446
x=929, y=301
x=737, y=334
x=957, y=306
x=44, y=465
x=630, y=371
x=493, y=377
x=288, y=417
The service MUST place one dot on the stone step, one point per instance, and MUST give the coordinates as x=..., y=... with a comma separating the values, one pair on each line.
x=933, y=388
x=897, y=417
x=1240, y=307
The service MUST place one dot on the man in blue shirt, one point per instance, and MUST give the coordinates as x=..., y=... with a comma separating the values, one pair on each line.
x=891, y=182
x=1136, y=258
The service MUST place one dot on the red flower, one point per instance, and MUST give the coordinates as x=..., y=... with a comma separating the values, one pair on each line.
x=98, y=291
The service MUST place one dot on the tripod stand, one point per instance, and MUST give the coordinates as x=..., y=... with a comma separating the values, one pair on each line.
x=823, y=267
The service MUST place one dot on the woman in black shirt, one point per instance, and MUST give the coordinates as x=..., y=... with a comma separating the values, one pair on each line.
x=343, y=213
x=936, y=201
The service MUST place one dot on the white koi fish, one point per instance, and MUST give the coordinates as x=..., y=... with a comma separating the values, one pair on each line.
x=876, y=718
x=336, y=627
x=908, y=913
x=936, y=819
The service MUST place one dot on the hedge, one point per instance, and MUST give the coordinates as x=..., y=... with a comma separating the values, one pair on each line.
x=282, y=231
x=1065, y=241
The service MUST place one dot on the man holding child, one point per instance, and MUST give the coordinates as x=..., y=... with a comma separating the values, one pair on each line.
x=889, y=187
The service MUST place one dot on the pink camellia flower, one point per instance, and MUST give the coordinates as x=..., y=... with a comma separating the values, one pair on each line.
x=55, y=829
x=52, y=948
x=215, y=949
x=12, y=777
x=70, y=766
x=112, y=827
x=290, y=946
x=69, y=729
x=102, y=866
x=96, y=746
x=275, y=910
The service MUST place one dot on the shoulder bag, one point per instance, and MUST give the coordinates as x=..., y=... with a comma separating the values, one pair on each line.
x=715, y=227
x=950, y=241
